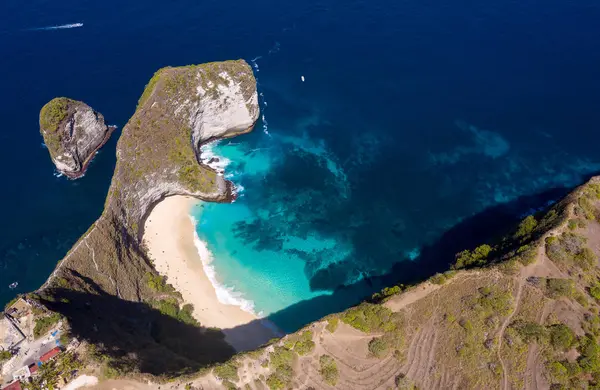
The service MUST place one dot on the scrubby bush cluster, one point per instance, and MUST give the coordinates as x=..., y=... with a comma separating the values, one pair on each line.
x=227, y=371
x=332, y=324
x=44, y=324
x=158, y=283
x=526, y=227
x=301, y=344
x=368, y=318
x=170, y=307
x=442, y=278
x=5, y=355
x=477, y=257
x=281, y=361
x=378, y=347
x=329, y=371
x=570, y=248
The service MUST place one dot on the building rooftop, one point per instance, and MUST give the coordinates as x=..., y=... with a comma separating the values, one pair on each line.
x=50, y=354
x=14, y=386
x=33, y=368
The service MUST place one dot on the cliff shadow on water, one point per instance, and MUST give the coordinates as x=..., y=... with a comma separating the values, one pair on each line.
x=487, y=226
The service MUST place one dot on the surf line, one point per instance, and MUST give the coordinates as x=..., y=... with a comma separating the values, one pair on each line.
x=59, y=27
x=261, y=96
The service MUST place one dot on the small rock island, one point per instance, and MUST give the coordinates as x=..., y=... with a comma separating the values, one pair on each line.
x=73, y=133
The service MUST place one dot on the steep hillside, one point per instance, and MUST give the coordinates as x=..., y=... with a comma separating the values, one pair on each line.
x=525, y=317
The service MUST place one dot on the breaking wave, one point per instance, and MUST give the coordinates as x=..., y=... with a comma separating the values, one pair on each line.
x=225, y=295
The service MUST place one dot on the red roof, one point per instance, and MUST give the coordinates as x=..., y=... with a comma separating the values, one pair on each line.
x=14, y=386
x=50, y=354
x=33, y=368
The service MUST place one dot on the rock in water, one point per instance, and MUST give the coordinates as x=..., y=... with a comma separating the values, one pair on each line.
x=73, y=132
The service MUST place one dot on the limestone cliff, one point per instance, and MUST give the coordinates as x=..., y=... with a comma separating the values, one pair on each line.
x=102, y=283
x=73, y=132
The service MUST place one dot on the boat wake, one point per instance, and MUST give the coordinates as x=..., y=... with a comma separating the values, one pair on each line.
x=60, y=27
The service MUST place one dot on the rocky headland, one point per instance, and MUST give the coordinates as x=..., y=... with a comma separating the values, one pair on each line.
x=521, y=310
x=73, y=132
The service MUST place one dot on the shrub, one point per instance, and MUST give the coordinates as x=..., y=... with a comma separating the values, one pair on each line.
x=378, y=347
x=531, y=332
x=561, y=337
x=158, y=283
x=493, y=300
x=526, y=254
x=368, y=317
x=526, y=227
x=44, y=324
x=438, y=279
x=557, y=288
x=170, y=307
x=589, y=360
x=595, y=290
x=558, y=372
x=275, y=383
x=388, y=292
x=573, y=369
x=306, y=345
x=227, y=371
x=477, y=257
x=281, y=356
x=466, y=324
x=229, y=386
x=585, y=258
x=573, y=224
x=403, y=383
x=5, y=355
x=53, y=113
x=329, y=371
x=281, y=359
x=332, y=324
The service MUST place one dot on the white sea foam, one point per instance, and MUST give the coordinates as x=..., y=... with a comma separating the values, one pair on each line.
x=226, y=295
x=210, y=158
x=59, y=27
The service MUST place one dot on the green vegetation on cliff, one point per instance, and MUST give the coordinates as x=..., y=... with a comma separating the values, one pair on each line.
x=54, y=112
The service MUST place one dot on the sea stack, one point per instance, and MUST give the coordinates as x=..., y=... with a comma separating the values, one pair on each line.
x=73, y=132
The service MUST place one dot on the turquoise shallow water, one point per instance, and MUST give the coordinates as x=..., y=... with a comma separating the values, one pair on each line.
x=250, y=271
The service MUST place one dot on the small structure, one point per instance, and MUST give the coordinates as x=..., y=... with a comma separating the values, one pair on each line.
x=50, y=355
x=21, y=374
x=18, y=309
x=33, y=369
x=14, y=386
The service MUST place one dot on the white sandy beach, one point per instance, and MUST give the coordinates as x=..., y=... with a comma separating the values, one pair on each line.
x=169, y=235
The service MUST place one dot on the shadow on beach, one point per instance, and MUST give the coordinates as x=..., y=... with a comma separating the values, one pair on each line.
x=138, y=338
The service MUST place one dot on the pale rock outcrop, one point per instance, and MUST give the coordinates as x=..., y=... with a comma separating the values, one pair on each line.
x=73, y=133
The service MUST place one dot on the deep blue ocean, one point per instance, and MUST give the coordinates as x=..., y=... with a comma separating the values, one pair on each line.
x=420, y=129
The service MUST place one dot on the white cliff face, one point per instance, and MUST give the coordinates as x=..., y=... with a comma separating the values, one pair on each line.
x=223, y=110
x=77, y=138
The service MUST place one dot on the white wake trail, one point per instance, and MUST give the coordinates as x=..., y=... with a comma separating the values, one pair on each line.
x=60, y=27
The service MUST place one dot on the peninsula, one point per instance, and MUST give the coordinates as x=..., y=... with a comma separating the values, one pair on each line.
x=520, y=311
